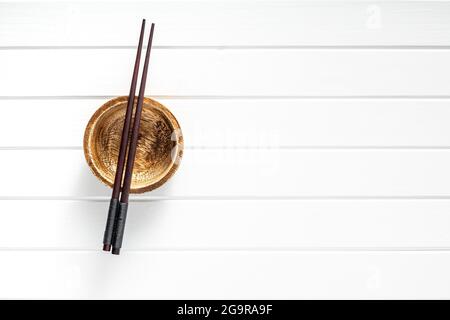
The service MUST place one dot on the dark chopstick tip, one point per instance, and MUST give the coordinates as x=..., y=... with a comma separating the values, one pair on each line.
x=116, y=251
x=106, y=247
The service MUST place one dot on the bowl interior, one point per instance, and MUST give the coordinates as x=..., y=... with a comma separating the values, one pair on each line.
x=159, y=146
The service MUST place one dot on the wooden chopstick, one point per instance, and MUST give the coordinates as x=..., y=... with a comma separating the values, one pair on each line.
x=119, y=226
x=114, y=203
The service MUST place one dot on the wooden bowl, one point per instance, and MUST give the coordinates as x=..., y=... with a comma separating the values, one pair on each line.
x=160, y=144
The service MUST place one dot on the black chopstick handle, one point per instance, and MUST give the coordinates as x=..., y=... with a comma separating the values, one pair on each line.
x=119, y=228
x=109, y=230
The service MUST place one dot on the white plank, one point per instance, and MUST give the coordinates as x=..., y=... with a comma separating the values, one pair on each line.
x=225, y=275
x=247, y=123
x=244, y=173
x=226, y=23
x=233, y=72
x=226, y=225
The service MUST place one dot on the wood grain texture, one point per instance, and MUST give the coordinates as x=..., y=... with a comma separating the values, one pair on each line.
x=248, y=23
x=213, y=72
x=332, y=182
x=261, y=225
x=158, y=147
x=248, y=123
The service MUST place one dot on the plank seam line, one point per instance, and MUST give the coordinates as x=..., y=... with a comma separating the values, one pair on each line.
x=232, y=47
x=245, y=249
x=230, y=198
x=238, y=97
x=253, y=148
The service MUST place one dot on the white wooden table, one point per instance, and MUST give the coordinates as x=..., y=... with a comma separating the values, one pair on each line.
x=317, y=160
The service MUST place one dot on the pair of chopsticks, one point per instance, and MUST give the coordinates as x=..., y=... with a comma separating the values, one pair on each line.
x=118, y=207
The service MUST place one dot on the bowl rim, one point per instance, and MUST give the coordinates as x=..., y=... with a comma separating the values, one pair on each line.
x=154, y=104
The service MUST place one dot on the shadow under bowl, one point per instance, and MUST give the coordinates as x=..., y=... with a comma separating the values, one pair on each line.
x=159, y=149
